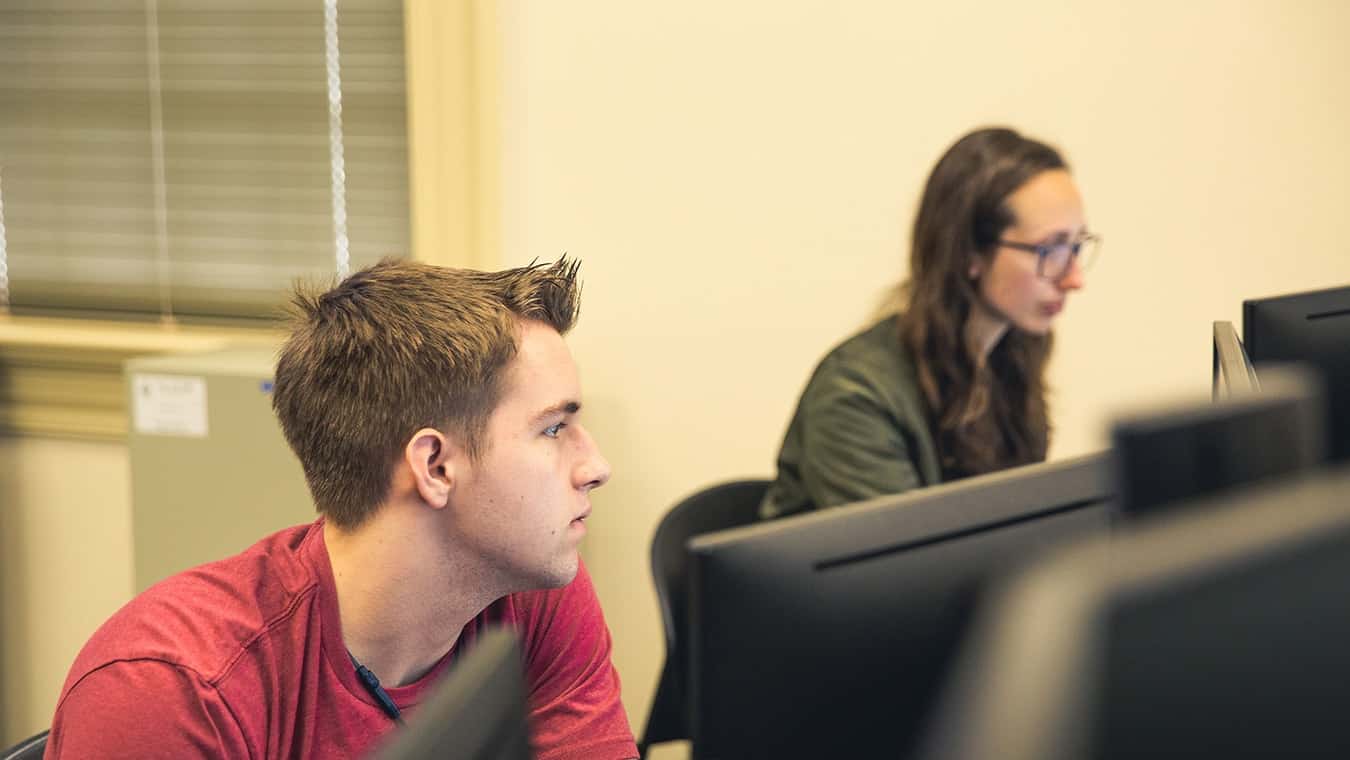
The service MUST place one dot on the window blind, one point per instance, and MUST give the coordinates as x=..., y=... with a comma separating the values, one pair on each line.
x=194, y=157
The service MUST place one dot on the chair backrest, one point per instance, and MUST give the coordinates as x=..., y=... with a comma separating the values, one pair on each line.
x=28, y=749
x=726, y=505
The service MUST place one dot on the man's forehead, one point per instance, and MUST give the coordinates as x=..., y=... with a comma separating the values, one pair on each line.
x=542, y=374
x=538, y=342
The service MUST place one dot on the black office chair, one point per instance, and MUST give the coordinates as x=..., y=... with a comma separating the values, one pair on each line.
x=28, y=749
x=726, y=505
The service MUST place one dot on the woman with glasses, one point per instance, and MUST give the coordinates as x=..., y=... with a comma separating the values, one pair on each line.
x=954, y=385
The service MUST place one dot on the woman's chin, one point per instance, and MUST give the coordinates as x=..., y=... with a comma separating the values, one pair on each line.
x=1035, y=325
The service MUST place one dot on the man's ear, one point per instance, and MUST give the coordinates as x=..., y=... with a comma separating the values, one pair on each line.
x=428, y=456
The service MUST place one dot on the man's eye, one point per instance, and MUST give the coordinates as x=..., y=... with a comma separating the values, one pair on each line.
x=552, y=430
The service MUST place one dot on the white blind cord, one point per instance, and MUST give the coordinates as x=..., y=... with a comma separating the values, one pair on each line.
x=4, y=255
x=157, y=164
x=338, y=173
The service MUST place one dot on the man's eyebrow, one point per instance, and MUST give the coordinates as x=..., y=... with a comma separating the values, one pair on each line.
x=562, y=407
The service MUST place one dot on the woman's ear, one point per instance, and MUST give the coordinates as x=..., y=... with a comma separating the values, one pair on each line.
x=428, y=457
x=976, y=268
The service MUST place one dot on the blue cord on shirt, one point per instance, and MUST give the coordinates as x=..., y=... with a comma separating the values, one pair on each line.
x=377, y=691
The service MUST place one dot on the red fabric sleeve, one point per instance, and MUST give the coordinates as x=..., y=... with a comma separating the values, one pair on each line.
x=144, y=709
x=575, y=712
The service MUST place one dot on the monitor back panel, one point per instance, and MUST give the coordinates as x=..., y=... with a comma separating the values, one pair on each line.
x=831, y=638
x=1310, y=327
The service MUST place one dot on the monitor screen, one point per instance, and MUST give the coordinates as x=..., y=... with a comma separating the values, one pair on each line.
x=1311, y=327
x=1215, y=633
x=478, y=713
x=827, y=634
x=1234, y=375
x=1166, y=457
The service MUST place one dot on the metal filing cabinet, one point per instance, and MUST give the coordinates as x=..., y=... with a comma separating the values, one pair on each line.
x=210, y=470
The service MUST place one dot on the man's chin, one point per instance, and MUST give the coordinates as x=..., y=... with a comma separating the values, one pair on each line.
x=560, y=576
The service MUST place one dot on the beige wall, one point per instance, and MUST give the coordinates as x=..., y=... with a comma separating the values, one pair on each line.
x=65, y=565
x=739, y=179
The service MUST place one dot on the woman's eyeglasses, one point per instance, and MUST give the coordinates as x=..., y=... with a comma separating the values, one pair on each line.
x=1053, y=260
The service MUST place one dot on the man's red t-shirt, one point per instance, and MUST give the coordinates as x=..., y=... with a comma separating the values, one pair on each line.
x=244, y=658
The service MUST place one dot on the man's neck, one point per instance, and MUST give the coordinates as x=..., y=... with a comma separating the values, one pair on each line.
x=402, y=598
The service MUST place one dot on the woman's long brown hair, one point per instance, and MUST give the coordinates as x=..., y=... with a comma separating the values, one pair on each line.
x=990, y=415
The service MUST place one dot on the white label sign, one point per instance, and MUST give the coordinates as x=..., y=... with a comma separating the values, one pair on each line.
x=169, y=405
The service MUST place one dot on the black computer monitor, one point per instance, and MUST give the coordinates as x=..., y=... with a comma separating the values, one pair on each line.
x=1311, y=327
x=1165, y=457
x=1219, y=632
x=827, y=634
x=1234, y=375
x=478, y=713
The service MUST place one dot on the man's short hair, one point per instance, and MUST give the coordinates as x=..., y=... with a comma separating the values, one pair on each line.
x=395, y=348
